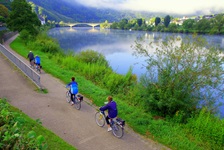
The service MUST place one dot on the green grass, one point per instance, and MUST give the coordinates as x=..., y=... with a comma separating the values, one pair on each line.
x=53, y=141
x=165, y=131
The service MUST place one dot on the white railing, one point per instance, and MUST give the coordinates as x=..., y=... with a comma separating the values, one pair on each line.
x=29, y=72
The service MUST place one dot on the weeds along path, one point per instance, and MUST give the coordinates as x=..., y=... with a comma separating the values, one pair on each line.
x=77, y=127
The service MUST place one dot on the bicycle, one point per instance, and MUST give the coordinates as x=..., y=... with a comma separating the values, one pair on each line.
x=32, y=64
x=38, y=68
x=77, y=100
x=117, y=124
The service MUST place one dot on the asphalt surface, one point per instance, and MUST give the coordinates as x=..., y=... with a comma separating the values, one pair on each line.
x=77, y=127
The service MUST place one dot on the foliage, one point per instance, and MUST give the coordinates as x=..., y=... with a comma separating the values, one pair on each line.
x=208, y=128
x=105, y=25
x=167, y=21
x=66, y=11
x=21, y=17
x=92, y=57
x=25, y=36
x=14, y=133
x=46, y=44
x=217, y=24
x=167, y=131
x=213, y=25
x=182, y=75
x=157, y=21
x=189, y=24
x=4, y=12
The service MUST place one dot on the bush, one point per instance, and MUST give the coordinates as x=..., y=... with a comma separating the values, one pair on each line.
x=14, y=133
x=46, y=44
x=92, y=57
x=208, y=129
x=182, y=75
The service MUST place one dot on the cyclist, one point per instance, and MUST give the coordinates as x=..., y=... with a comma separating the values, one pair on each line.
x=37, y=62
x=111, y=106
x=73, y=88
x=31, y=58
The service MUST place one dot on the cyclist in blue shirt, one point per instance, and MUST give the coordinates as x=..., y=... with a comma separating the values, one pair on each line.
x=73, y=88
x=37, y=62
x=111, y=106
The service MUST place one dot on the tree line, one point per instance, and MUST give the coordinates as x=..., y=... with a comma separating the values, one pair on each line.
x=213, y=25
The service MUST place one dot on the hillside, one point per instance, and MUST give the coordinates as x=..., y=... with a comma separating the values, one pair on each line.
x=58, y=10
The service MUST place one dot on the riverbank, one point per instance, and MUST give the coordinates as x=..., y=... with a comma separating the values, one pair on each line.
x=78, y=128
x=162, y=130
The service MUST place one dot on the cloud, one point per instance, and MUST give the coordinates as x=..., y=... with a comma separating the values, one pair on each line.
x=165, y=6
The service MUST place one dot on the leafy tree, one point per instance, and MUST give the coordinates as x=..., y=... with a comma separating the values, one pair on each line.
x=122, y=23
x=173, y=27
x=114, y=25
x=140, y=22
x=105, y=25
x=4, y=12
x=157, y=21
x=218, y=23
x=167, y=21
x=203, y=26
x=21, y=17
x=189, y=24
x=183, y=75
x=128, y=26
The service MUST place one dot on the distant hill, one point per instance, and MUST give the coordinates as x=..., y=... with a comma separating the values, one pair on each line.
x=59, y=10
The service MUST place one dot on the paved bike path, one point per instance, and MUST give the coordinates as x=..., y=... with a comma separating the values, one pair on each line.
x=77, y=127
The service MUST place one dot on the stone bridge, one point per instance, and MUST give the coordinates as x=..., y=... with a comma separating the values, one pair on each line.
x=89, y=24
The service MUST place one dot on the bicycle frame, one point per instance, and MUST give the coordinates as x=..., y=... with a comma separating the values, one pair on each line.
x=117, y=128
x=76, y=100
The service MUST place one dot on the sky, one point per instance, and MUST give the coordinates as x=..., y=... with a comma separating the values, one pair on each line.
x=164, y=6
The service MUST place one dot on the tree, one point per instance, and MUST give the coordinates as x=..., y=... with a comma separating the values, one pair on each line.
x=123, y=23
x=22, y=18
x=167, y=21
x=4, y=12
x=157, y=21
x=105, y=25
x=173, y=27
x=218, y=23
x=140, y=22
x=203, y=26
x=183, y=75
x=189, y=24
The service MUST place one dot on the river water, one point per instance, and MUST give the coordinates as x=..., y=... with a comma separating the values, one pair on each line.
x=115, y=45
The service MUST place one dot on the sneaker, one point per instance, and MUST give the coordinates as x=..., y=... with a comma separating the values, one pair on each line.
x=72, y=104
x=109, y=129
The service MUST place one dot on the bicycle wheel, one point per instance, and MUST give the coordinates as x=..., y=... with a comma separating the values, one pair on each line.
x=117, y=130
x=77, y=103
x=68, y=97
x=100, y=119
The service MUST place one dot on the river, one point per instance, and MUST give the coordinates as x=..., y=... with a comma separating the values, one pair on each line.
x=115, y=45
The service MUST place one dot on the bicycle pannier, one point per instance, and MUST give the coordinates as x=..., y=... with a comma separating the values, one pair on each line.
x=120, y=121
x=80, y=97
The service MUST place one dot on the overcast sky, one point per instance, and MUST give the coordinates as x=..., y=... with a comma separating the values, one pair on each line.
x=166, y=6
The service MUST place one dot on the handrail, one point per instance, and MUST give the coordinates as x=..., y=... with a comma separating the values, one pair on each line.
x=29, y=72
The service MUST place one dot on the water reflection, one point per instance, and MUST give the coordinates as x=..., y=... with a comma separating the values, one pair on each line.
x=115, y=45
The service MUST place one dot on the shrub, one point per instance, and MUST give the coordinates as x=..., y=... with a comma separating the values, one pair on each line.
x=92, y=57
x=14, y=133
x=183, y=74
x=46, y=44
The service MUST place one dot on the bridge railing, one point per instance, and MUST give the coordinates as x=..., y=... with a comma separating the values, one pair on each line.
x=29, y=72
